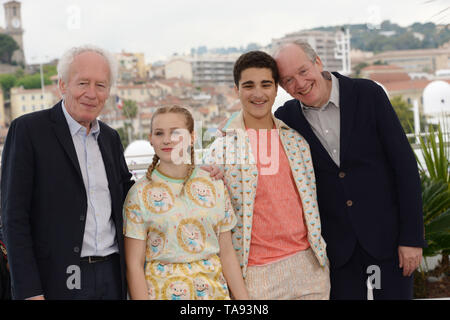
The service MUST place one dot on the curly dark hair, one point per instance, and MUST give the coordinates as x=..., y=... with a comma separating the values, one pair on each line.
x=255, y=59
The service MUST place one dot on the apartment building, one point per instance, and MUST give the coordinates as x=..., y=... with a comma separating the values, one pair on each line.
x=213, y=69
x=131, y=66
x=202, y=70
x=138, y=92
x=179, y=68
x=24, y=101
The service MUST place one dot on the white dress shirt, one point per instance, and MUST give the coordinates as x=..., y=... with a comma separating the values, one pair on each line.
x=100, y=234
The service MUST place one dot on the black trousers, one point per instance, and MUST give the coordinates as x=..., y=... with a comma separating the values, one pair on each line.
x=100, y=280
x=5, y=280
x=349, y=282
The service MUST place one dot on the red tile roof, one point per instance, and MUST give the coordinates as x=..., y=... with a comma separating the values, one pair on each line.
x=381, y=68
x=389, y=77
x=407, y=85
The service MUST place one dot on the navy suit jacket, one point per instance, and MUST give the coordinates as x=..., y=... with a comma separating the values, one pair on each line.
x=44, y=201
x=374, y=197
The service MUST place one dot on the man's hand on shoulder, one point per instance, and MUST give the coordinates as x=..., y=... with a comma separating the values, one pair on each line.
x=214, y=172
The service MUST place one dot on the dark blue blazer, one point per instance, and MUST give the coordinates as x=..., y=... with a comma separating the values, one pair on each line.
x=374, y=197
x=44, y=201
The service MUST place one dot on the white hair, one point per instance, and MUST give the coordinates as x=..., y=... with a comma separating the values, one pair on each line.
x=69, y=56
x=304, y=45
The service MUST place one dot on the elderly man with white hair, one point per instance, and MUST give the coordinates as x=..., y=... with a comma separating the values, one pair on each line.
x=64, y=180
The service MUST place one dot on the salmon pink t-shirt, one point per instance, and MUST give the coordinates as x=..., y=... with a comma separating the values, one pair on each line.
x=278, y=228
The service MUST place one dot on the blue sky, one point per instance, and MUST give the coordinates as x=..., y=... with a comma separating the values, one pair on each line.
x=160, y=28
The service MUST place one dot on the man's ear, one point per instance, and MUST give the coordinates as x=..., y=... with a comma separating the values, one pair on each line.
x=62, y=86
x=319, y=63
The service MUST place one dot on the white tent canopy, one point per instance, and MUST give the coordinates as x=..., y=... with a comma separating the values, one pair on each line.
x=139, y=152
x=436, y=100
x=281, y=98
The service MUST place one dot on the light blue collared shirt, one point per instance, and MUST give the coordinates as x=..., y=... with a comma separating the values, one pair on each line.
x=100, y=234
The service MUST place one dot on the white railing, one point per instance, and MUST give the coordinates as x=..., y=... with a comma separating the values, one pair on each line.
x=416, y=144
x=138, y=166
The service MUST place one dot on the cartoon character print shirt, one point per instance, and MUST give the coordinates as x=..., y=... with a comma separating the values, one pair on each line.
x=178, y=228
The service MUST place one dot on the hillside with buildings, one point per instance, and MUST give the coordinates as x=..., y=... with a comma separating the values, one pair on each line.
x=203, y=78
x=390, y=36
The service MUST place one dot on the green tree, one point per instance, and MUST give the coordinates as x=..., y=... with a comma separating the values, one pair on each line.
x=379, y=63
x=19, y=73
x=129, y=111
x=50, y=70
x=32, y=81
x=7, y=47
x=20, y=79
x=435, y=178
x=405, y=114
x=7, y=81
x=123, y=134
x=357, y=69
x=407, y=41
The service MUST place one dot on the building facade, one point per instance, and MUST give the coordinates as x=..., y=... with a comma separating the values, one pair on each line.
x=131, y=66
x=398, y=83
x=202, y=70
x=420, y=60
x=24, y=101
x=179, y=68
x=138, y=93
x=213, y=69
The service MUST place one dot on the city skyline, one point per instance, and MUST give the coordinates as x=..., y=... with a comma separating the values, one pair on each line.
x=159, y=29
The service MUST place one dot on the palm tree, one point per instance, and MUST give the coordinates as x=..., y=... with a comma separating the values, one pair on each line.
x=130, y=111
x=435, y=176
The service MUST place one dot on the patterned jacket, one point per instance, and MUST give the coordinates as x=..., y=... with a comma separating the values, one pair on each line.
x=233, y=153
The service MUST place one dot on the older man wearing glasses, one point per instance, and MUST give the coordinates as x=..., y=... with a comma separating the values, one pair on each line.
x=368, y=185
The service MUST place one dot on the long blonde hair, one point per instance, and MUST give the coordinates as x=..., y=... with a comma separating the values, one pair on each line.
x=190, y=126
